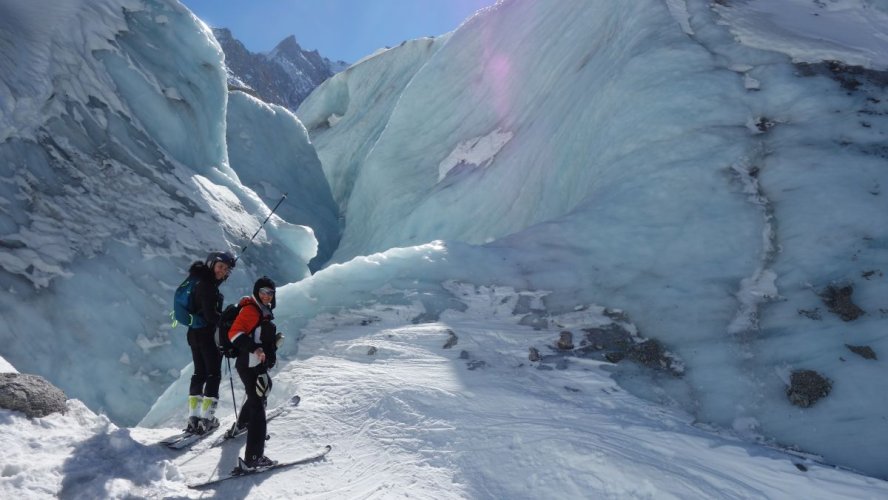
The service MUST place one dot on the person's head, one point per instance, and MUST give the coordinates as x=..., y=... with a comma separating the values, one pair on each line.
x=221, y=264
x=264, y=292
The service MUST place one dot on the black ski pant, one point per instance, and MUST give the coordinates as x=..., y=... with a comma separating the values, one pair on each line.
x=207, y=363
x=253, y=411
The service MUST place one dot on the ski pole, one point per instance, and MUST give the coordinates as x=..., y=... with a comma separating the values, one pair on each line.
x=244, y=249
x=231, y=382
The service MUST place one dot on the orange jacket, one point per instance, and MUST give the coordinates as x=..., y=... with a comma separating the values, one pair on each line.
x=248, y=319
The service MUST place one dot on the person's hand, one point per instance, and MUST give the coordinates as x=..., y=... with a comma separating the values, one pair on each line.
x=260, y=354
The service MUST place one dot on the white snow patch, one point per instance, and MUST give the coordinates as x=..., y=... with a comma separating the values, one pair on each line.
x=679, y=11
x=477, y=152
x=6, y=366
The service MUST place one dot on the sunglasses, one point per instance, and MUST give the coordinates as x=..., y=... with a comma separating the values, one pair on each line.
x=266, y=291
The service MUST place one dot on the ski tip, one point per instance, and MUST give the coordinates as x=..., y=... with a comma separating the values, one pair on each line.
x=173, y=439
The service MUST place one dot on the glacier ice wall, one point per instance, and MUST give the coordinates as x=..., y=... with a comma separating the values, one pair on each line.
x=358, y=102
x=115, y=177
x=635, y=155
x=269, y=149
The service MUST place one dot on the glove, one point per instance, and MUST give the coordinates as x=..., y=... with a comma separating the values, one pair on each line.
x=278, y=340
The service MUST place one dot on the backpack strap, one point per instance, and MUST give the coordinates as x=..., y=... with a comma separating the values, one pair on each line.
x=259, y=310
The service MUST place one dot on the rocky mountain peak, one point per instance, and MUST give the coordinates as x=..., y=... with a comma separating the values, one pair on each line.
x=284, y=76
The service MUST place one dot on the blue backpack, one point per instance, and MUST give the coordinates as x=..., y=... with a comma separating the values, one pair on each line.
x=183, y=309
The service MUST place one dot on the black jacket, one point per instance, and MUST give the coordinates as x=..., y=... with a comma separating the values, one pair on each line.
x=206, y=300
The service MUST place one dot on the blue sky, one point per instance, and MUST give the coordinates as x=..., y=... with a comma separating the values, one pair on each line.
x=338, y=29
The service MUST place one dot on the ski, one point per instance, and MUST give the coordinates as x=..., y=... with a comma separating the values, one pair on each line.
x=269, y=415
x=174, y=438
x=238, y=473
x=185, y=439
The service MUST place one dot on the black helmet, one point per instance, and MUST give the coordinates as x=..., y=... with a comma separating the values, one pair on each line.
x=264, y=282
x=225, y=257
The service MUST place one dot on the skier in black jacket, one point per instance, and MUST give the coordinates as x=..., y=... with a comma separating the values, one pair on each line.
x=203, y=394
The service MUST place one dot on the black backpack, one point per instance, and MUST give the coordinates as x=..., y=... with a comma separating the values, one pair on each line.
x=225, y=321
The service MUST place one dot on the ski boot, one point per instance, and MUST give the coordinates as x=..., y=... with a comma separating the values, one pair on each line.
x=193, y=425
x=205, y=425
x=246, y=467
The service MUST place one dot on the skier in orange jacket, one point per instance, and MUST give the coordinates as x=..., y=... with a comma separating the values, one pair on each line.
x=254, y=334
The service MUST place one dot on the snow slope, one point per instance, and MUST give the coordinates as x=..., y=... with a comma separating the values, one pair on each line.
x=413, y=418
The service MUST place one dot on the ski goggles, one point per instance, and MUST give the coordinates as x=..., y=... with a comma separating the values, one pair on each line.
x=266, y=291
